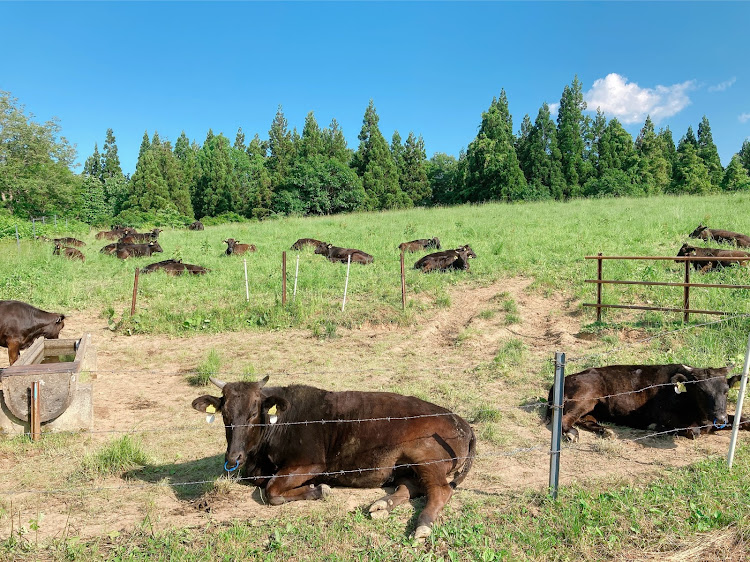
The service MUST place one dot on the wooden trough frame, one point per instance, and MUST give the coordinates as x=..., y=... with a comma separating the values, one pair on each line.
x=686, y=310
x=36, y=392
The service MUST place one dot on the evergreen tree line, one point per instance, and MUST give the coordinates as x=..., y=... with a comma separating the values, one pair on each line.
x=316, y=173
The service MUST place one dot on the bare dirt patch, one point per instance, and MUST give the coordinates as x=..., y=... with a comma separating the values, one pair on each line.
x=458, y=356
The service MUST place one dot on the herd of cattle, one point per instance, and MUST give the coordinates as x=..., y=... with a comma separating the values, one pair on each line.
x=730, y=257
x=286, y=439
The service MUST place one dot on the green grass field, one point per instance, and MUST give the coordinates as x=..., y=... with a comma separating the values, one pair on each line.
x=598, y=520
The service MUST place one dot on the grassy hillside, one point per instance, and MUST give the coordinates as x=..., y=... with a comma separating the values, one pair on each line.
x=546, y=241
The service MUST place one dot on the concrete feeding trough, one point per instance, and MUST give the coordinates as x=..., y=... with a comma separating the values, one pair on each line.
x=65, y=402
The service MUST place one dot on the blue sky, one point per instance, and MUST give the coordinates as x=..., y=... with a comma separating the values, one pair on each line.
x=431, y=68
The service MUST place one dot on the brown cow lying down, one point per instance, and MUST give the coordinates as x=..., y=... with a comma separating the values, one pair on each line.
x=428, y=454
x=67, y=241
x=447, y=259
x=234, y=247
x=418, y=245
x=175, y=267
x=688, y=400
x=197, y=225
x=70, y=253
x=116, y=233
x=705, y=233
x=140, y=237
x=336, y=254
x=707, y=265
x=302, y=242
x=125, y=251
x=21, y=324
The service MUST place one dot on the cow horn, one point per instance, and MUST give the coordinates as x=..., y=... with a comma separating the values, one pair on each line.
x=687, y=368
x=217, y=382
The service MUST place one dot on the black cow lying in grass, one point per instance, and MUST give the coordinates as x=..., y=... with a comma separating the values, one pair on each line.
x=302, y=242
x=447, y=259
x=175, y=267
x=686, y=400
x=705, y=233
x=418, y=245
x=68, y=252
x=419, y=447
x=709, y=265
x=336, y=254
x=125, y=251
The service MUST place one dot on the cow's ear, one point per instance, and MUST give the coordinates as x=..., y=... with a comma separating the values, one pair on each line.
x=262, y=383
x=203, y=402
x=60, y=319
x=280, y=403
x=731, y=381
x=678, y=378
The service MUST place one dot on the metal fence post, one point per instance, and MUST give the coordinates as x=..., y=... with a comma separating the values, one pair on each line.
x=18, y=240
x=599, y=288
x=557, y=411
x=738, y=409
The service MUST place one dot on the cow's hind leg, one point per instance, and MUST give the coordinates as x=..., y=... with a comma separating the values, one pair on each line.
x=14, y=350
x=288, y=485
x=438, y=493
x=589, y=422
x=405, y=490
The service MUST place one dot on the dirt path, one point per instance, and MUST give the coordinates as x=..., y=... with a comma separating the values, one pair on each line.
x=450, y=356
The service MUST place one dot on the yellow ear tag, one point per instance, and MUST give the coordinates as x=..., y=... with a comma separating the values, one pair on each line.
x=210, y=409
x=680, y=388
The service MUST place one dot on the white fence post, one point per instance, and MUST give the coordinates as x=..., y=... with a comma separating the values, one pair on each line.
x=738, y=409
x=296, y=273
x=247, y=290
x=346, y=283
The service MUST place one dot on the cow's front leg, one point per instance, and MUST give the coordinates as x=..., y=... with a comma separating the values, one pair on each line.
x=289, y=484
x=14, y=350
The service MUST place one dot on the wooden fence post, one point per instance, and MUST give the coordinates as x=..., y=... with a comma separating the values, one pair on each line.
x=599, y=288
x=135, y=292
x=686, y=297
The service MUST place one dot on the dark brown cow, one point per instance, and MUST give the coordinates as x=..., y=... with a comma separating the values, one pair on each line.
x=418, y=245
x=141, y=237
x=707, y=265
x=116, y=233
x=197, y=225
x=447, y=259
x=688, y=400
x=70, y=253
x=175, y=267
x=125, y=251
x=150, y=268
x=302, y=242
x=705, y=233
x=234, y=247
x=336, y=254
x=67, y=241
x=21, y=324
x=429, y=453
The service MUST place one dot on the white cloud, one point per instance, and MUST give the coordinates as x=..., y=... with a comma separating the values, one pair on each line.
x=553, y=108
x=723, y=85
x=630, y=103
x=744, y=117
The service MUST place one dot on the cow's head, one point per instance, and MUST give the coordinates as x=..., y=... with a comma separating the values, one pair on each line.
x=436, y=242
x=52, y=329
x=230, y=242
x=57, y=249
x=244, y=408
x=155, y=247
x=322, y=248
x=708, y=388
x=467, y=250
x=697, y=232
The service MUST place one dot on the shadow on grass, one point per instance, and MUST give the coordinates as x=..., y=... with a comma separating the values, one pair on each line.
x=189, y=480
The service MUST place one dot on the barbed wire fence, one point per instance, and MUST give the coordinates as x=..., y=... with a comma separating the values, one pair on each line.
x=554, y=451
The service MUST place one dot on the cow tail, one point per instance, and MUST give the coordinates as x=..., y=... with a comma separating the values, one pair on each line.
x=459, y=477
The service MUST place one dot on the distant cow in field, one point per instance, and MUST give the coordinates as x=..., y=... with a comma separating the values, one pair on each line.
x=21, y=324
x=336, y=254
x=114, y=234
x=688, y=400
x=67, y=241
x=197, y=225
x=234, y=247
x=418, y=245
x=302, y=242
x=421, y=448
x=175, y=267
x=70, y=253
x=706, y=265
x=705, y=233
x=447, y=259
x=141, y=237
x=137, y=250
